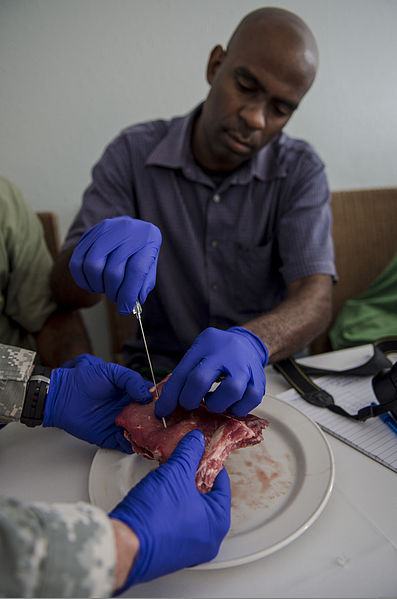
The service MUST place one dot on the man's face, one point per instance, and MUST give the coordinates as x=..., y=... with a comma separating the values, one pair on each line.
x=254, y=92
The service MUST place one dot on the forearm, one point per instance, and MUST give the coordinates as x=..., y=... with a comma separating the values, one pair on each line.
x=298, y=320
x=62, y=338
x=127, y=545
x=64, y=290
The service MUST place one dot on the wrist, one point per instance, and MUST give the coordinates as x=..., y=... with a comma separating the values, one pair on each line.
x=255, y=341
x=36, y=396
x=127, y=546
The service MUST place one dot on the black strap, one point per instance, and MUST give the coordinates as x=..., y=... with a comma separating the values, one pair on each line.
x=298, y=377
x=35, y=397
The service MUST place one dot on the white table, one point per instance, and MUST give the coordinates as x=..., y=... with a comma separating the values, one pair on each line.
x=350, y=551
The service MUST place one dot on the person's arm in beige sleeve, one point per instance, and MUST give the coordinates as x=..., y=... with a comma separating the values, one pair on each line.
x=28, y=310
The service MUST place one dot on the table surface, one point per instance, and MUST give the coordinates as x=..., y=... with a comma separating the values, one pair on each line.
x=349, y=551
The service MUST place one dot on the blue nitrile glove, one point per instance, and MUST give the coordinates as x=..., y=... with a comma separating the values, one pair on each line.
x=177, y=526
x=237, y=355
x=85, y=400
x=118, y=257
x=82, y=359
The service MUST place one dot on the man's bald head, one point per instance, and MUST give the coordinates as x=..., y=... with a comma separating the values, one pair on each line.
x=276, y=28
x=257, y=83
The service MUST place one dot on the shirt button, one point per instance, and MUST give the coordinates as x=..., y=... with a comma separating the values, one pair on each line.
x=216, y=198
x=214, y=286
x=214, y=243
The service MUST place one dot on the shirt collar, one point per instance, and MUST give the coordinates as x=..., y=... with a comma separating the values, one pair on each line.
x=174, y=151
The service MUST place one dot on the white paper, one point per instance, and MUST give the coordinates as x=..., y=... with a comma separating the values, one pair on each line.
x=373, y=437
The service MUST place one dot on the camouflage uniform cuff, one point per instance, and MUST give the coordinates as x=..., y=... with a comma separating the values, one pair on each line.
x=81, y=555
x=16, y=365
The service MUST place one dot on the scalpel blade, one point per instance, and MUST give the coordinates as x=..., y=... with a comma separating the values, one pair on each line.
x=137, y=311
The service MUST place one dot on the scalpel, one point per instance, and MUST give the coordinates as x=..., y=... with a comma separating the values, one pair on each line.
x=137, y=311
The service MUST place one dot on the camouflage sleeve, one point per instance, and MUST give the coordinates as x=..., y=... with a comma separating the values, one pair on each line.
x=16, y=365
x=55, y=550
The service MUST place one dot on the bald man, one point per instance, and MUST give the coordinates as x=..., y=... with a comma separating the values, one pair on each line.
x=217, y=222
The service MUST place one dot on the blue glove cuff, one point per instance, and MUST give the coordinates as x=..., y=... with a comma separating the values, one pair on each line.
x=255, y=341
x=49, y=408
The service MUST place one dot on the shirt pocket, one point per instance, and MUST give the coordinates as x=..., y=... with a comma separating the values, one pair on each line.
x=258, y=284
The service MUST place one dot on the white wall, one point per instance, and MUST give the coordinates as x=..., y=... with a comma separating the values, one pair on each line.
x=74, y=72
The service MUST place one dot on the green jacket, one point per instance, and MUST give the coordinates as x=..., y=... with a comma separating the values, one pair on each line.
x=370, y=316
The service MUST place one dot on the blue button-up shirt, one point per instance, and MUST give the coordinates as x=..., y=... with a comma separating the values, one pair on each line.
x=230, y=245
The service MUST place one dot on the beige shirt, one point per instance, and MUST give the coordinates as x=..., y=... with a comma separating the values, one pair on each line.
x=25, y=267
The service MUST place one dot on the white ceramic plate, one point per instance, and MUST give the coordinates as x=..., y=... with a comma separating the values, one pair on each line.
x=279, y=487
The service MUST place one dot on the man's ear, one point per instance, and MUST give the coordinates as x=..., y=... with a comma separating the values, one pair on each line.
x=215, y=60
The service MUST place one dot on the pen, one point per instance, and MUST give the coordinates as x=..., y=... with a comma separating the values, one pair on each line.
x=388, y=420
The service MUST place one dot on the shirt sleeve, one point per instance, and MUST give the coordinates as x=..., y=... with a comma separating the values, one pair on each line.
x=304, y=234
x=26, y=263
x=16, y=365
x=111, y=192
x=57, y=550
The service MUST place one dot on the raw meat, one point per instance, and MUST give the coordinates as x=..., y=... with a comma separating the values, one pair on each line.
x=223, y=433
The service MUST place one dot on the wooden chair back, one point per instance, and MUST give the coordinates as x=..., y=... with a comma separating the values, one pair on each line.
x=365, y=238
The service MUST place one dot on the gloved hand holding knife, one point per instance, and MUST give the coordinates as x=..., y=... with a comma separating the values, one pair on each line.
x=119, y=257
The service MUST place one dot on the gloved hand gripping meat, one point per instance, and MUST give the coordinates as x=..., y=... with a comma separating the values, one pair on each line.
x=223, y=433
